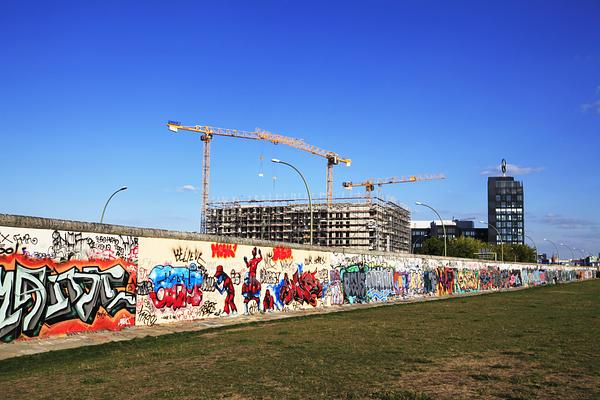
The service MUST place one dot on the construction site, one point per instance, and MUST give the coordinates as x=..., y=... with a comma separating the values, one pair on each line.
x=366, y=222
x=357, y=223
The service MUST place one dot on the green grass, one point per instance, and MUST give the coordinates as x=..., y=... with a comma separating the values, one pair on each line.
x=536, y=343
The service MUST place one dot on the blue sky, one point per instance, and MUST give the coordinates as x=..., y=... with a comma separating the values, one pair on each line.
x=401, y=88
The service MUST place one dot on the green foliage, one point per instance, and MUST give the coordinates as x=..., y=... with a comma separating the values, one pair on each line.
x=467, y=247
x=433, y=246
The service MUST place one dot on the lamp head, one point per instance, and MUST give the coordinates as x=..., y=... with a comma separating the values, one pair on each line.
x=482, y=222
x=123, y=188
x=418, y=203
x=275, y=160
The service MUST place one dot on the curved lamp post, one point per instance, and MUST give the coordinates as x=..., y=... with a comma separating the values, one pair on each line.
x=275, y=160
x=583, y=254
x=107, y=201
x=572, y=252
x=498, y=233
x=534, y=245
x=555, y=247
x=441, y=220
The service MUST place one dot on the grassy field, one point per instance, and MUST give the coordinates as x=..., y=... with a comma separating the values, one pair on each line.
x=536, y=343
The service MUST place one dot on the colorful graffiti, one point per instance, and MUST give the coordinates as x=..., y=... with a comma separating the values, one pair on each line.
x=445, y=279
x=353, y=279
x=466, y=281
x=40, y=297
x=176, y=287
x=224, y=284
x=303, y=288
x=57, y=282
x=379, y=283
x=223, y=250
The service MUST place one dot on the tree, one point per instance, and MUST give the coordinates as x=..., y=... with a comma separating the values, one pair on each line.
x=467, y=247
x=464, y=247
x=433, y=246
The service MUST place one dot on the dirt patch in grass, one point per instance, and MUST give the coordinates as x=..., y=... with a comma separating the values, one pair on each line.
x=498, y=376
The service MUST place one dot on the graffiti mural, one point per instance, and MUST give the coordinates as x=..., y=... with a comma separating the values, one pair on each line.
x=333, y=289
x=176, y=287
x=303, y=288
x=379, y=283
x=445, y=278
x=466, y=281
x=195, y=279
x=63, y=281
x=40, y=297
x=354, y=285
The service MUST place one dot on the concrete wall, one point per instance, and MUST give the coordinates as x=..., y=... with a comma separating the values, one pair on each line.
x=59, y=277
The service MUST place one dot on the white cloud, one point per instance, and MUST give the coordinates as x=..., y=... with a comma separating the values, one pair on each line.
x=565, y=222
x=187, y=188
x=595, y=106
x=511, y=169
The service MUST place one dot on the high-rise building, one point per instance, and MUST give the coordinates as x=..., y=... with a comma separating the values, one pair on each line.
x=505, y=209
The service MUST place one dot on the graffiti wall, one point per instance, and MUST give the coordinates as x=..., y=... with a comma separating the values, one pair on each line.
x=186, y=280
x=64, y=282
x=54, y=282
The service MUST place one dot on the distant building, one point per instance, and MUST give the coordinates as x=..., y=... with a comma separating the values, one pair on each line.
x=468, y=229
x=505, y=210
x=592, y=261
x=421, y=230
x=362, y=223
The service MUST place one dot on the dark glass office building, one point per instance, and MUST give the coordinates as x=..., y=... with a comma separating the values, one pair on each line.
x=505, y=210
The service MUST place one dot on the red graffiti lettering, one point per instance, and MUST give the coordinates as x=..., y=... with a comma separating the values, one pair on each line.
x=281, y=253
x=176, y=297
x=223, y=250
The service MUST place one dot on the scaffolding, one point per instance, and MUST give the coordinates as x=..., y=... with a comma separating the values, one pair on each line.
x=361, y=223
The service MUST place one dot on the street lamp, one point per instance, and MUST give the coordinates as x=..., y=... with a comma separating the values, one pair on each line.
x=534, y=245
x=441, y=220
x=583, y=256
x=498, y=233
x=275, y=160
x=555, y=247
x=572, y=252
x=582, y=252
x=111, y=196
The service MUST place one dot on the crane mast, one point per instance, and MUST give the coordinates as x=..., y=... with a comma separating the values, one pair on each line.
x=208, y=132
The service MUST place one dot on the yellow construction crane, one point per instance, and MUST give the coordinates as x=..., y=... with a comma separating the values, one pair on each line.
x=209, y=131
x=370, y=184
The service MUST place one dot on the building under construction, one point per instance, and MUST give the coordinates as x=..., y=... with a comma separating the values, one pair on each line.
x=361, y=223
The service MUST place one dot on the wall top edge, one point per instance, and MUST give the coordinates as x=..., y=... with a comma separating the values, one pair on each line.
x=24, y=221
